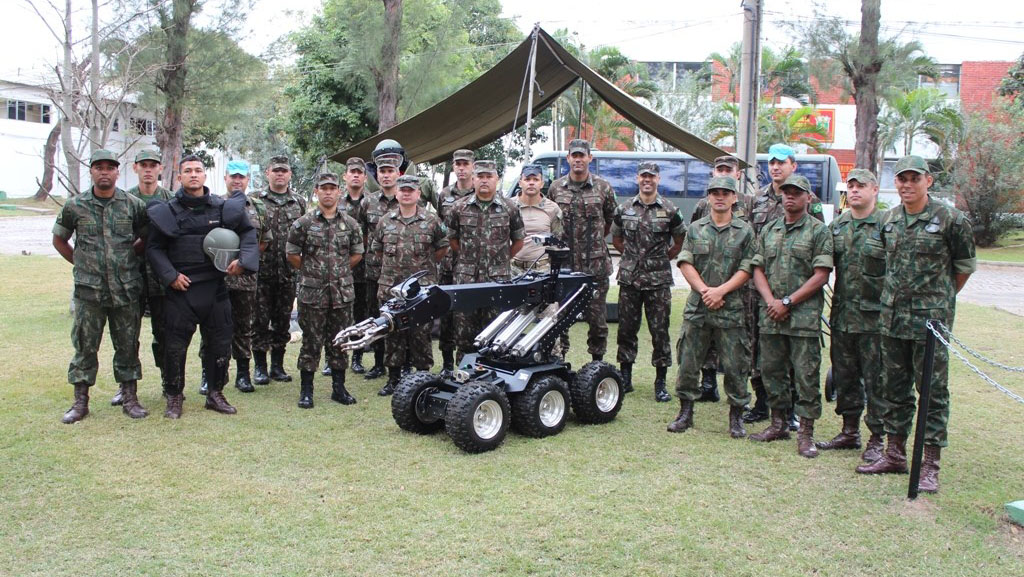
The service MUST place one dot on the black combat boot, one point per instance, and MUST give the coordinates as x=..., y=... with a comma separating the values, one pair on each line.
x=131, y=405
x=339, y=394
x=708, y=386
x=597, y=357
x=80, y=409
x=277, y=366
x=259, y=358
x=204, y=383
x=118, y=397
x=627, y=377
x=326, y=370
x=243, y=382
x=306, y=390
x=377, y=370
x=447, y=364
x=759, y=411
x=357, y=362
x=660, y=394
x=394, y=373
x=684, y=420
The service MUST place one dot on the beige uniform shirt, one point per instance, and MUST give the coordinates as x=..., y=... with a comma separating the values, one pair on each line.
x=542, y=218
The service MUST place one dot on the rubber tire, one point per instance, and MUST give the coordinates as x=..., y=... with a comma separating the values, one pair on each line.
x=458, y=419
x=584, y=389
x=526, y=406
x=830, y=387
x=403, y=403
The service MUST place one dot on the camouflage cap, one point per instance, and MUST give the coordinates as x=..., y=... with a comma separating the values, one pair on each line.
x=279, y=161
x=103, y=154
x=355, y=163
x=408, y=181
x=722, y=182
x=579, y=145
x=463, y=154
x=148, y=154
x=532, y=170
x=648, y=167
x=911, y=162
x=389, y=159
x=326, y=178
x=797, y=181
x=861, y=175
x=482, y=166
x=727, y=160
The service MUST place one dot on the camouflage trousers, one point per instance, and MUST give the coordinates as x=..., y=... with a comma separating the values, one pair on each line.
x=856, y=372
x=596, y=316
x=319, y=325
x=750, y=303
x=205, y=305
x=692, y=346
x=409, y=348
x=359, y=312
x=155, y=305
x=520, y=266
x=372, y=309
x=787, y=362
x=446, y=336
x=468, y=326
x=902, y=366
x=275, y=299
x=656, y=304
x=87, y=333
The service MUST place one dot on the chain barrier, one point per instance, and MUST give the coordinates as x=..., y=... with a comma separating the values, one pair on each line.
x=978, y=355
x=937, y=328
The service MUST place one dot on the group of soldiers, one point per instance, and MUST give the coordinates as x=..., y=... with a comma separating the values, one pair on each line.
x=756, y=264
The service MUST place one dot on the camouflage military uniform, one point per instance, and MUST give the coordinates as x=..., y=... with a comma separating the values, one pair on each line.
x=352, y=207
x=484, y=231
x=446, y=268
x=276, y=281
x=587, y=208
x=404, y=247
x=325, y=291
x=645, y=274
x=789, y=253
x=108, y=281
x=153, y=295
x=921, y=258
x=856, y=344
x=717, y=253
x=371, y=210
x=543, y=218
x=242, y=289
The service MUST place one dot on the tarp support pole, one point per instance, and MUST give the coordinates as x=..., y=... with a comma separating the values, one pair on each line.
x=924, y=399
x=529, y=97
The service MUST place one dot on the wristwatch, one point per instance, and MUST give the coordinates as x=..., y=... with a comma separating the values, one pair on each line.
x=787, y=302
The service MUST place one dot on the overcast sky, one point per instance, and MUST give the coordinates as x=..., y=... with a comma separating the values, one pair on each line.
x=669, y=30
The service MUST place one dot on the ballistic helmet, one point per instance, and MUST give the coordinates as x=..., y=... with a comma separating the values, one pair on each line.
x=221, y=245
x=389, y=150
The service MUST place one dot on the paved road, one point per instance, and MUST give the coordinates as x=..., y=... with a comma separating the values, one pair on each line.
x=998, y=286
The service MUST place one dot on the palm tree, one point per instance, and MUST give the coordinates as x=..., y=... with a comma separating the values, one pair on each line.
x=921, y=112
x=782, y=74
x=773, y=125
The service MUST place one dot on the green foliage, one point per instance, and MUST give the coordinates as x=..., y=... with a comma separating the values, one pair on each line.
x=919, y=112
x=1013, y=84
x=773, y=125
x=686, y=102
x=783, y=73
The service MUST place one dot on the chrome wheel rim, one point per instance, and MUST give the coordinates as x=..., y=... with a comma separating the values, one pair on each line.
x=607, y=394
x=487, y=419
x=552, y=408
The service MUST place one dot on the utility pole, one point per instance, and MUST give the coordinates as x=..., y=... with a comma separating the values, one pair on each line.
x=750, y=87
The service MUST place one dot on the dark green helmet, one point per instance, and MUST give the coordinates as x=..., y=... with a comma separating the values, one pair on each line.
x=221, y=245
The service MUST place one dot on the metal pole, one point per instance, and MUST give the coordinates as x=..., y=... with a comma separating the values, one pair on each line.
x=750, y=89
x=922, y=410
x=529, y=98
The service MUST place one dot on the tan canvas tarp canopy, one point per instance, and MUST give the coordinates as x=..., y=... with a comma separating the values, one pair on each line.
x=486, y=108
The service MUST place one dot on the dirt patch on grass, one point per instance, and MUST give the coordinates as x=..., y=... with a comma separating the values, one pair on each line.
x=920, y=509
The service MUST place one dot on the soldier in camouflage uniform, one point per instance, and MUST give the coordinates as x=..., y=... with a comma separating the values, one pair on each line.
x=323, y=246
x=792, y=264
x=462, y=166
x=929, y=255
x=767, y=208
x=371, y=210
x=407, y=240
x=588, y=204
x=148, y=167
x=351, y=199
x=540, y=216
x=728, y=166
x=108, y=225
x=276, y=282
x=648, y=231
x=716, y=261
x=485, y=231
x=856, y=344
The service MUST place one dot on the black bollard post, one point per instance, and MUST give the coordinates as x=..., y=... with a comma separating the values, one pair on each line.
x=922, y=408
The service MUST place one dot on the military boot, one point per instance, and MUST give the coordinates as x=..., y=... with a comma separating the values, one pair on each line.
x=805, y=439
x=778, y=430
x=174, y=403
x=709, y=386
x=929, y=480
x=894, y=459
x=80, y=408
x=684, y=420
x=394, y=374
x=378, y=369
x=260, y=377
x=597, y=358
x=627, y=377
x=243, y=382
x=759, y=411
x=306, y=389
x=204, y=383
x=131, y=405
x=215, y=401
x=660, y=394
x=873, y=451
x=848, y=437
x=277, y=366
x=339, y=394
x=736, y=430
x=357, y=362
x=118, y=397
x=326, y=370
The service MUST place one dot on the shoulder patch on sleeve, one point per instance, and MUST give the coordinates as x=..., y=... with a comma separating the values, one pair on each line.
x=816, y=208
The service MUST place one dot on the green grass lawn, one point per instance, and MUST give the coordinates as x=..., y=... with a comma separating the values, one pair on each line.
x=276, y=490
x=1009, y=248
x=12, y=206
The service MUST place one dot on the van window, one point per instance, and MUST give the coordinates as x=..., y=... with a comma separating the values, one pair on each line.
x=697, y=179
x=621, y=174
x=811, y=170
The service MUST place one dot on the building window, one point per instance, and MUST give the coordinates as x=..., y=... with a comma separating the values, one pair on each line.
x=28, y=111
x=947, y=81
x=144, y=126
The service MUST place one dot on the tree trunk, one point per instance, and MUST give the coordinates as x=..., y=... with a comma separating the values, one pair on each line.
x=94, y=81
x=865, y=85
x=173, y=86
x=387, y=79
x=68, y=98
x=49, y=157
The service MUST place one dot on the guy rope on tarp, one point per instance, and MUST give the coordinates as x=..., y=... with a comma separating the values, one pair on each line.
x=529, y=79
